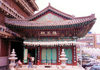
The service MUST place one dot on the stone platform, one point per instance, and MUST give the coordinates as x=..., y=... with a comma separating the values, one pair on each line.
x=49, y=67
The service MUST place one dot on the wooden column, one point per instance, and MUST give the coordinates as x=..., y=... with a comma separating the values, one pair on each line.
x=9, y=48
x=0, y=47
x=39, y=55
x=58, y=61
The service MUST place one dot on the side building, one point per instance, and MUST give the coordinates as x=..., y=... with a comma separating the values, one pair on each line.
x=97, y=40
x=16, y=9
x=92, y=40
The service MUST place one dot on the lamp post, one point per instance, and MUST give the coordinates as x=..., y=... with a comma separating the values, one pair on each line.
x=12, y=58
x=63, y=59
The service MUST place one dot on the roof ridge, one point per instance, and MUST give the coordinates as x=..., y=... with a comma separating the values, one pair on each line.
x=61, y=11
x=51, y=8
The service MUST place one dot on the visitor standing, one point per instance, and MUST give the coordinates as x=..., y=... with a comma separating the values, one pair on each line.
x=32, y=60
x=18, y=63
x=29, y=61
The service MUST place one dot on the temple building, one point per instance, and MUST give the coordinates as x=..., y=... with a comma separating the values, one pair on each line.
x=49, y=31
x=42, y=35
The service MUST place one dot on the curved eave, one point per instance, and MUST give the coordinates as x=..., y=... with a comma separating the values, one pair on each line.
x=49, y=26
x=46, y=24
x=76, y=27
x=85, y=29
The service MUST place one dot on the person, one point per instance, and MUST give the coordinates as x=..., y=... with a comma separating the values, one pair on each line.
x=29, y=61
x=19, y=63
x=32, y=60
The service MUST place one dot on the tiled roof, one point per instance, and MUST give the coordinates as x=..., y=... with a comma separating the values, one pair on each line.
x=26, y=23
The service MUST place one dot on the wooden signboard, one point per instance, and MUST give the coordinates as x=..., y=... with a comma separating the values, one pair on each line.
x=25, y=55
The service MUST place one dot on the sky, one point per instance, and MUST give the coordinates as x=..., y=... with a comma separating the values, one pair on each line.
x=78, y=8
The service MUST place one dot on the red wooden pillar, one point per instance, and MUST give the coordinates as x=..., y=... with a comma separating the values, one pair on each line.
x=60, y=53
x=0, y=47
x=72, y=54
x=39, y=55
x=57, y=55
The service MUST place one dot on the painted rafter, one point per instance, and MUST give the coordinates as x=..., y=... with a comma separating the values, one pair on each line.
x=26, y=6
x=10, y=10
x=34, y=4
